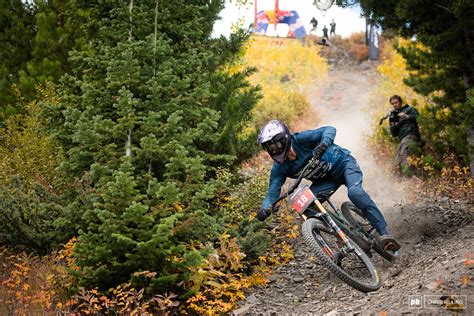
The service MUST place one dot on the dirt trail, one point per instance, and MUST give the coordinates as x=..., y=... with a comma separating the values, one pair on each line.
x=436, y=235
x=342, y=103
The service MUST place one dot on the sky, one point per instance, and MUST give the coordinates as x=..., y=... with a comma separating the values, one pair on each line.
x=347, y=20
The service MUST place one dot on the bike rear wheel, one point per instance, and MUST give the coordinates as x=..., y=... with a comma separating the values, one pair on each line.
x=352, y=267
x=357, y=218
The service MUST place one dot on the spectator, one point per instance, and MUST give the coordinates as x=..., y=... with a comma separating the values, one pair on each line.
x=333, y=28
x=325, y=32
x=314, y=22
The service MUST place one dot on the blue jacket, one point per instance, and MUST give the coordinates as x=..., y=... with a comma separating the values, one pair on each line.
x=303, y=144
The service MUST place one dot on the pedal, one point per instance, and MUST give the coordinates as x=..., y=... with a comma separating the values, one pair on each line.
x=369, y=254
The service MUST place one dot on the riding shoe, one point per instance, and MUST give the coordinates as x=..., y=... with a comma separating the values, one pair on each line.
x=389, y=243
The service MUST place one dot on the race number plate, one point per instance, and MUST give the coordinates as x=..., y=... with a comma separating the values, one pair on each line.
x=301, y=198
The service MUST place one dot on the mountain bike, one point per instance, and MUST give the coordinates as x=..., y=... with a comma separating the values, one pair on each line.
x=340, y=238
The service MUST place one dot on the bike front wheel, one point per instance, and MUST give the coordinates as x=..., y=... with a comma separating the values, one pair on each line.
x=351, y=266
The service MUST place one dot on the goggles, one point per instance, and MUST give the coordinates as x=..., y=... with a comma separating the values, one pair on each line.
x=274, y=147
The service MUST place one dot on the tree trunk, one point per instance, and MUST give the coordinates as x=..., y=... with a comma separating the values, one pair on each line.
x=470, y=143
x=469, y=83
x=128, y=143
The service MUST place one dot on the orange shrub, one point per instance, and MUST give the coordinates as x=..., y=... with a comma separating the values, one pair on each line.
x=359, y=51
x=220, y=281
x=353, y=48
x=30, y=284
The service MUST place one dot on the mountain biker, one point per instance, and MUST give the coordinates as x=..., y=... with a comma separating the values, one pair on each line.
x=291, y=152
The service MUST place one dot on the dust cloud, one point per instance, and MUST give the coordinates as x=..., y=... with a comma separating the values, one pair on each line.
x=340, y=102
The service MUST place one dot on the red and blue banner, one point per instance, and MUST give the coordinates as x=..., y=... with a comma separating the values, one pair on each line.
x=295, y=25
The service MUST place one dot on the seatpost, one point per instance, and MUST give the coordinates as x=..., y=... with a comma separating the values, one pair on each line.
x=332, y=205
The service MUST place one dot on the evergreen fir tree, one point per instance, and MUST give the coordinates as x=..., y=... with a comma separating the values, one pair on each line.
x=147, y=117
x=49, y=51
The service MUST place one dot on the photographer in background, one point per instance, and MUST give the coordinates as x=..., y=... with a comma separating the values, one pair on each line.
x=403, y=125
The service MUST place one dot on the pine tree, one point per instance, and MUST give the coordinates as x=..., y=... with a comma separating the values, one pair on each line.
x=49, y=51
x=16, y=33
x=147, y=117
x=35, y=41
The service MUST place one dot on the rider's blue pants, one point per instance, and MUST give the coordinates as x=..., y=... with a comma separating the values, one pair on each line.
x=352, y=178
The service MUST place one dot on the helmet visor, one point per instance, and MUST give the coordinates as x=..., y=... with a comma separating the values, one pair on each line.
x=274, y=147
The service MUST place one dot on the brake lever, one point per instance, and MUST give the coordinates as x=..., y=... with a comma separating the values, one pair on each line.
x=293, y=187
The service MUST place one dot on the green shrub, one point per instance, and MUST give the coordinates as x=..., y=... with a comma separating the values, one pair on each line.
x=237, y=206
x=30, y=182
x=253, y=240
x=28, y=217
x=200, y=227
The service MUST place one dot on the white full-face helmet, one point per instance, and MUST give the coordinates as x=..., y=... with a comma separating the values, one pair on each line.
x=275, y=138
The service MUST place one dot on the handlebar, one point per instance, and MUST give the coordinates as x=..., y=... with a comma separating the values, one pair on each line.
x=313, y=161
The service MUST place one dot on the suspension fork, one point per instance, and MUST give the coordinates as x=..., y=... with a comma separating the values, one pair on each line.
x=333, y=225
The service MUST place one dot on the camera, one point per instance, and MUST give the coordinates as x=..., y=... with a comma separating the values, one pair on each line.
x=393, y=116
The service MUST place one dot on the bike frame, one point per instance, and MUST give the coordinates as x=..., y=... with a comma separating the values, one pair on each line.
x=335, y=216
x=331, y=222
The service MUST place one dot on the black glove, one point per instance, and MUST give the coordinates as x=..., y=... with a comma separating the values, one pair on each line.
x=263, y=214
x=319, y=150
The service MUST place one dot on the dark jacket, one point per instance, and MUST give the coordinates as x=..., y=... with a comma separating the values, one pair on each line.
x=407, y=126
x=303, y=144
x=325, y=32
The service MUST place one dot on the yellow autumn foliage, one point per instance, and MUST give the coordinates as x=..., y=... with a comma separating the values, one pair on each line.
x=286, y=69
x=281, y=104
x=220, y=280
x=280, y=59
x=27, y=152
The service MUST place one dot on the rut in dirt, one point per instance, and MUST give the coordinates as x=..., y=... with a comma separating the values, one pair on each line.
x=436, y=234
